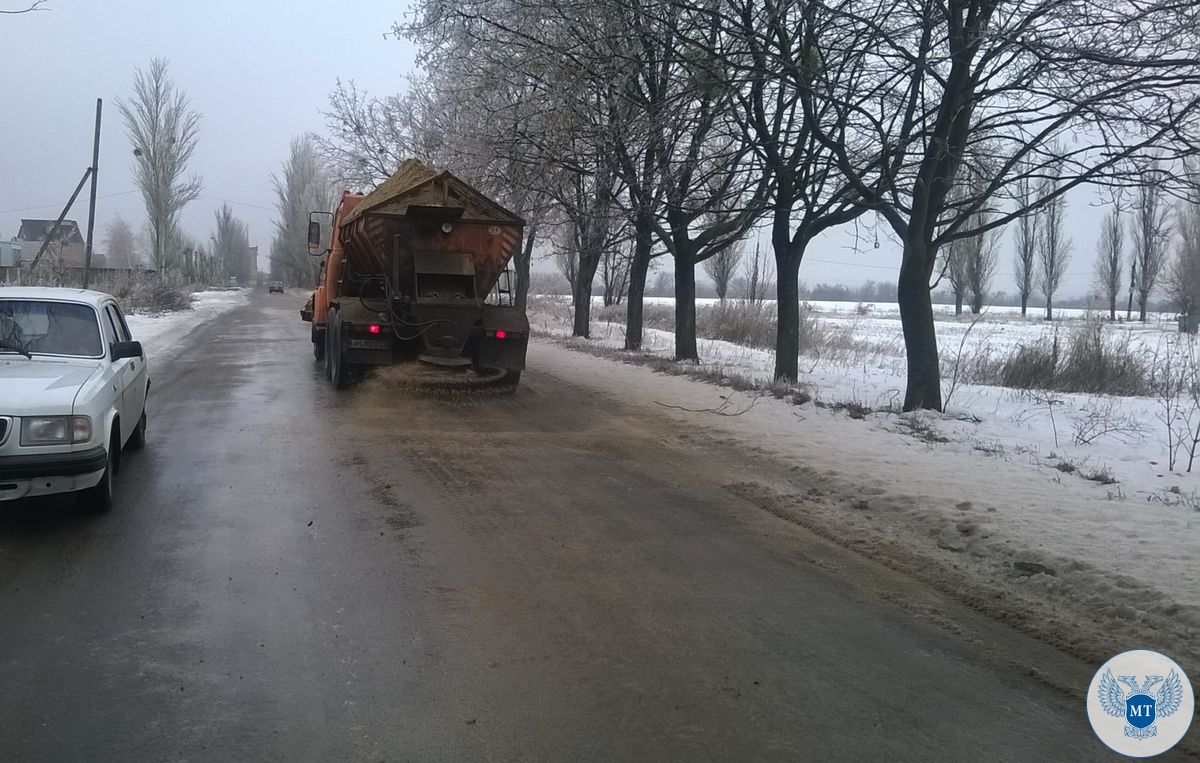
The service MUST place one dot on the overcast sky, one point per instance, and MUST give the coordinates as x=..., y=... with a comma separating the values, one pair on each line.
x=260, y=72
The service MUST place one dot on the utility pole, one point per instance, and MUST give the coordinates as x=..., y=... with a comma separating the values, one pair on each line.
x=87, y=261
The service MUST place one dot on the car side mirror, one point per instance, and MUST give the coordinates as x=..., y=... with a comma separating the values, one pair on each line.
x=120, y=350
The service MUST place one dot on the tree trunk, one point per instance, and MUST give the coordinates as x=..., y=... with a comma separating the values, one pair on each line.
x=1024, y=304
x=1142, y=300
x=639, y=268
x=920, y=338
x=787, y=327
x=976, y=303
x=1050, y=308
x=524, y=257
x=958, y=303
x=1112, y=308
x=582, y=294
x=685, y=307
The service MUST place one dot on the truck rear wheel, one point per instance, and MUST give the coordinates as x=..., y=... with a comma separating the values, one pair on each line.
x=511, y=378
x=318, y=343
x=327, y=351
x=339, y=369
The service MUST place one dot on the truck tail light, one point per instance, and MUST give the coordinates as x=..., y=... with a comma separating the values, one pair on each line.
x=501, y=334
x=374, y=328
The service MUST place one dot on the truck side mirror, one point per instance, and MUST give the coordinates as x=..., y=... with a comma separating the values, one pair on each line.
x=314, y=236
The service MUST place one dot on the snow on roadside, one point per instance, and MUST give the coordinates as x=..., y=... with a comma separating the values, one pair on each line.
x=986, y=495
x=162, y=334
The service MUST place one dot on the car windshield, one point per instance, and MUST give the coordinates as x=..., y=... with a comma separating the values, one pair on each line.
x=51, y=328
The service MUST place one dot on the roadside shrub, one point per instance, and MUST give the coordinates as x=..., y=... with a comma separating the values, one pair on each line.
x=1086, y=361
x=747, y=323
x=156, y=297
x=1096, y=365
x=1031, y=367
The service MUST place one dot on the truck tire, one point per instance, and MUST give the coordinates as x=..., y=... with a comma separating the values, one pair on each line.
x=511, y=378
x=339, y=369
x=318, y=343
x=327, y=344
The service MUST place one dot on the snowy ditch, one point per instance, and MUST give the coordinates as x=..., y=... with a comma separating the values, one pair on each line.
x=1054, y=511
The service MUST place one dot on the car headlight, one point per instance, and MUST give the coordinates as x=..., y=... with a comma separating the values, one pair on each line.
x=55, y=430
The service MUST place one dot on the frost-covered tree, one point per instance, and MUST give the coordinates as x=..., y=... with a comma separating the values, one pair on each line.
x=231, y=245
x=120, y=244
x=163, y=130
x=302, y=187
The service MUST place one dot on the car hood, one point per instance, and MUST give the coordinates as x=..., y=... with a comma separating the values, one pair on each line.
x=41, y=386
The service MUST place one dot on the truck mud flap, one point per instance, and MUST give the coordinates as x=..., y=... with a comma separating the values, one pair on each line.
x=507, y=354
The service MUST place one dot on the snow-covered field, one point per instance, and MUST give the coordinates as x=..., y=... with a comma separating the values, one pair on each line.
x=162, y=334
x=1002, y=477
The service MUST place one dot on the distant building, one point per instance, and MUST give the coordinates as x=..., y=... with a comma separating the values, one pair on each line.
x=250, y=266
x=67, y=244
x=11, y=253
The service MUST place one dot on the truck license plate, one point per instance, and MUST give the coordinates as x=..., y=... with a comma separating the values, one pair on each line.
x=368, y=344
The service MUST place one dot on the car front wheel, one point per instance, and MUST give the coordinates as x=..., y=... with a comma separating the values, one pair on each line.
x=137, y=440
x=100, y=498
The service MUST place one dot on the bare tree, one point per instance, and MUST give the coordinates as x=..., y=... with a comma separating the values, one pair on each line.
x=303, y=187
x=614, y=272
x=120, y=244
x=1114, y=81
x=1024, y=262
x=231, y=245
x=722, y=266
x=955, y=269
x=36, y=5
x=163, y=130
x=1183, y=278
x=1054, y=247
x=566, y=259
x=757, y=273
x=776, y=53
x=1110, y=258
x=1151, y=234
x=981, y=261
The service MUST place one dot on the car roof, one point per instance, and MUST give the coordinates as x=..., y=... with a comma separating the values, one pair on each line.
x=58, y=294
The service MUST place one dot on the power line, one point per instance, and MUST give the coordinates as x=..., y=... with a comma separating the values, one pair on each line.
x=56, y=204
x=238, y=203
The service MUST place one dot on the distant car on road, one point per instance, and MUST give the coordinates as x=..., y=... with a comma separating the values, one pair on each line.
x=73, y=388
x=275, y=286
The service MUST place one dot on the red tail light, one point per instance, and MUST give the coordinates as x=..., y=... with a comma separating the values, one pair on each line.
x=373, y=328
x=501, y=334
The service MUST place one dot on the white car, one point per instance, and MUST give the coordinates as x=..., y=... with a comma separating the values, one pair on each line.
x=73, y=387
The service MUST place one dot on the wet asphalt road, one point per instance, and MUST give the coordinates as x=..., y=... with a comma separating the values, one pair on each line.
x=297, y=574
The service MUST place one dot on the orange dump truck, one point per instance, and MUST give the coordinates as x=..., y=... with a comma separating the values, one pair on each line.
x=417, y=270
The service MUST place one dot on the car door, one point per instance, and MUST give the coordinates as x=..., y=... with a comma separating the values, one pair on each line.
x=139, y=385
x=123, y=373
